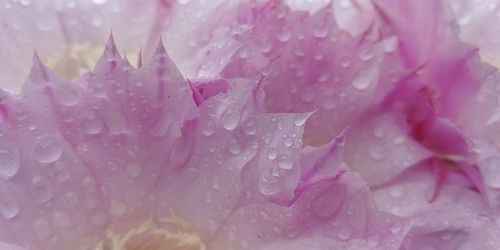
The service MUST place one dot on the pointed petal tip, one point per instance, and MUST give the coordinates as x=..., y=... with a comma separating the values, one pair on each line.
x=160, y=48
x=38, y=69
x=111, y=48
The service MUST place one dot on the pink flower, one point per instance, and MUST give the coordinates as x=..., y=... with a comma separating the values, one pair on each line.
x=274, y=125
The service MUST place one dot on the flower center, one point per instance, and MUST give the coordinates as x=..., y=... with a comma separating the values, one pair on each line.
x=74, y=60
x=168, y=234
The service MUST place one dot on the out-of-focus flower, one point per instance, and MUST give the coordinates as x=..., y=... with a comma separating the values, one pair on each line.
x=348, y=124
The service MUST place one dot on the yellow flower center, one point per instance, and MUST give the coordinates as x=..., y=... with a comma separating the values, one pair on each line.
x=78, y=58
x=168, y=234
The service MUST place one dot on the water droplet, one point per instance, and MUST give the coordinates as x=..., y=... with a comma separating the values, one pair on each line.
x=47, y=150
x=307, y=95
x=379, y=132
x=89, y=184
x=283, y=35
x=396, y=191
x=42, y=228
x=70, y=198
x=365, y=80
x=300, y=119
x=42, y=190
x=117, y=208
x=99, y=2
x=344, y=233
x=8, y=206
x=115, y=122
x=60, y=220
x=490, y=169
x=272, y=153
x=92, y=126
x=9, y=159
x=323, y=77
x=321, y=31
x=288, y=142
x=329, y=103
x=98, y=218
x=249, y=128
x=234, y=147
x=208, y=129
x=268, y=185
x=67, y=95
x=133, y=169
x=395, y=228
x=366, y=55
x=61, y=172
x=25, y=2
x=285, y=162
x=230, y=119
x=374, y=240
x=376, y=152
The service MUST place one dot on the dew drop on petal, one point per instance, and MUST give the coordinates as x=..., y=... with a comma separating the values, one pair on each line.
x=42, y=190
x=47, y=150
x=272, y=153
x=99, y=2
x=67, y=95
x=230, y=119
x=268, y=185
x=344, y=233
x=133, y=169
x=92, y=126
x=490, y=169
x=42, y=228
x=117, y=208
x=60, y=220
x=283, y=35
x=365, y=79
x=9, y=207
x=301, y=119
x=285, y=162
x=208, y=129
x=9, y=159
x=115, y=122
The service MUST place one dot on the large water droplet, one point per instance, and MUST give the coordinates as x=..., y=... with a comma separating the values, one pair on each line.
x=234, y=147
x=9, y=159
x=47, y=150
x=42, y=190
x=490, y=169
x=115, y=122
x=92, y=126
x=8, y=206
x=365, y=79
x=67, y=95
x=230, y=119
